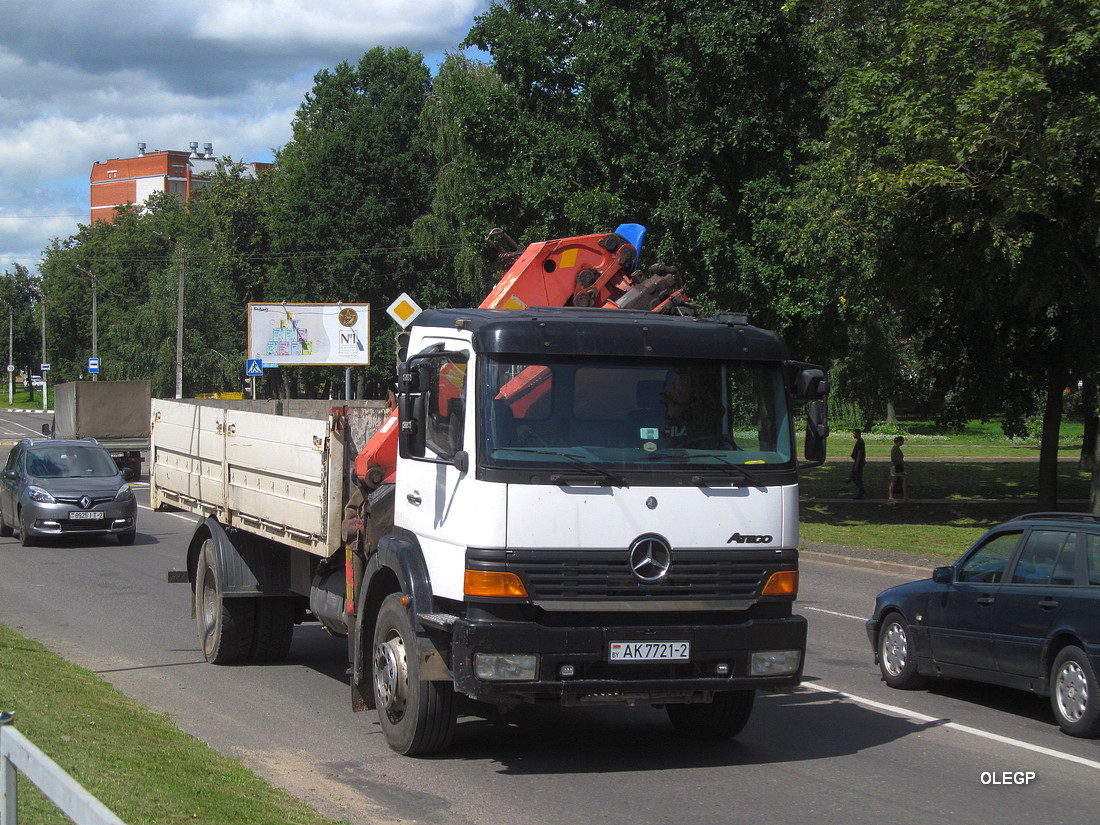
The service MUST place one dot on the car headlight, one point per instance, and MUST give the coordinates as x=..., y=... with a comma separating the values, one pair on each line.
x=124, y=493
x=40, y=495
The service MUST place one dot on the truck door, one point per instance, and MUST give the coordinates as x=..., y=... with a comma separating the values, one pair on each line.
x=433, y=458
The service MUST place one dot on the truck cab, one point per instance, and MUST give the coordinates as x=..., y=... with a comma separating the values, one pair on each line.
x=604, y=508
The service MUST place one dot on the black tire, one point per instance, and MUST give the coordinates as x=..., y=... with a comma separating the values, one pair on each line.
x=126, y=539
x=723, y=718
x=897, y=654
x=274, y=629
x=1075, y=693
x=417, y=717
x=226, y=626
x=25, y=538
x=6, y=530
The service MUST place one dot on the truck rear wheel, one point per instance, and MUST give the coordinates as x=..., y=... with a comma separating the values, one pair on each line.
x=226, y=626
x=416, y=717
x=723, y=718
x=274, y=629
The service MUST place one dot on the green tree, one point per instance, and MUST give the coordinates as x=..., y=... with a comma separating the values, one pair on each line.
x=962, y=150
x=351, y=182
x=683, y=115
x=19, y=295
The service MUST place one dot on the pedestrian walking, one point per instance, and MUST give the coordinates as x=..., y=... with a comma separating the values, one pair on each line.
x=859, y=461
x=898, y=479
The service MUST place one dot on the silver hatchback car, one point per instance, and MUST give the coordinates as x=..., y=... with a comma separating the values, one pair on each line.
x=58, y=488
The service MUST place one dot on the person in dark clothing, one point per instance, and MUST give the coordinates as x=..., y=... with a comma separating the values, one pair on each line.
x=859, y=461
x=898, y=479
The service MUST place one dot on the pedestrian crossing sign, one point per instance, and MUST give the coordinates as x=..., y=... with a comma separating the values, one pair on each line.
x=254, y=367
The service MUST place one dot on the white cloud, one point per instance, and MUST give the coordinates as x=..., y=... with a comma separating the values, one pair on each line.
x=87, y=80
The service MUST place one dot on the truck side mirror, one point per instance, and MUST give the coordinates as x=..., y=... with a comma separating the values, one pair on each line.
x=812, y=385
x=410, y=438
x=817, y=431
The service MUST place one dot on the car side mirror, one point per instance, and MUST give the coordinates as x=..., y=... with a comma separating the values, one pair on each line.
x=943, y=575
x=10, y=475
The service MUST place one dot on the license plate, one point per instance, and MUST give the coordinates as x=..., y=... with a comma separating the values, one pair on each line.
x=85, y=515
x=649, y=652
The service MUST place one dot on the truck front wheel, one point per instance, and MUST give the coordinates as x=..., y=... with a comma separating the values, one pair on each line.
x=723, y=718
x=417, y=717
x=226, y=626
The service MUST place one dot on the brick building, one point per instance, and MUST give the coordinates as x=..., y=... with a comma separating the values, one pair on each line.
x=117, y=182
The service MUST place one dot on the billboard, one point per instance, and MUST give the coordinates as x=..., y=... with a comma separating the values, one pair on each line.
x=315, y=334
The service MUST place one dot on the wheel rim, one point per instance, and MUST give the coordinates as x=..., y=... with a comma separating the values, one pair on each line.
x=209, y=608
x=391, y=675
x=1072, y=691
x=895, y=649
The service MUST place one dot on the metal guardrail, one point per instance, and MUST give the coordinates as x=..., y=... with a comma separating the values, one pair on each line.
x=19, y=754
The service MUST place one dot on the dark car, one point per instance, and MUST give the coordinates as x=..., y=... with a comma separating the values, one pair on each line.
x=57, y=488
x=1021, y=608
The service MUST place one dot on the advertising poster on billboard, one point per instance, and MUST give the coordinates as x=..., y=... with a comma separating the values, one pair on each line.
x=315, y=334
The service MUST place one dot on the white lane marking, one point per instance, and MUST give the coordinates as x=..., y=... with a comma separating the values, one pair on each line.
x=920, y=717
x=832, y=613
x=943, y=723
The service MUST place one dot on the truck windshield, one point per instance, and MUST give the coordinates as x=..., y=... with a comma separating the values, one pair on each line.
x=698, y=415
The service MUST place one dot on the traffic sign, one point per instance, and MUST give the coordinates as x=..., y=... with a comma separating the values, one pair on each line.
x=254, y=367
x=11, y=368
x=44, y=367
x=404, y=310
x=93, y=365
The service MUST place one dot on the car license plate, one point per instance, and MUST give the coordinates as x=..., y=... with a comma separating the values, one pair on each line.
x=86, y=515
x=649, y=652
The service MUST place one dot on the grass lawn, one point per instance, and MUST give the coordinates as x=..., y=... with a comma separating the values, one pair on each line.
x=137, y=763
x=956, y=497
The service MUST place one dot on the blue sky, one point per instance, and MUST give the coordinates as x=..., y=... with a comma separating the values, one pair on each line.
x=87, y=80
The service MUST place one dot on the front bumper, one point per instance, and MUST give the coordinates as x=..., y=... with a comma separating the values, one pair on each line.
x=584, y=650
x=41, y=519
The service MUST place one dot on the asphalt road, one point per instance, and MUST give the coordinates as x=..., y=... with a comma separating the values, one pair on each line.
x=843, y=748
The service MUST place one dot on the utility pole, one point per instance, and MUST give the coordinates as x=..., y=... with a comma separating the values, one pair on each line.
x=45, y=373
x=11, y=370
x=95, y=318
x=179, y=324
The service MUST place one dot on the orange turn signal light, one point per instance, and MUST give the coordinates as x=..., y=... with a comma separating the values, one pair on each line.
x=783, y=583
x=493, y=583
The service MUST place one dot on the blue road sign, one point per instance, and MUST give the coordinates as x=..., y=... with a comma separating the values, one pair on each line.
x=254, y=367
x=93, y=365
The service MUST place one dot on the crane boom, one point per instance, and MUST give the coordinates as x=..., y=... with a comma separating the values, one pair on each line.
x=583, y=271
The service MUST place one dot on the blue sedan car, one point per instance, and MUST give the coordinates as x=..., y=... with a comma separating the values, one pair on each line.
x=1021, y=608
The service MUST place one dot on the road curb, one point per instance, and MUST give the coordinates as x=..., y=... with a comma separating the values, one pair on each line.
x=868, y=564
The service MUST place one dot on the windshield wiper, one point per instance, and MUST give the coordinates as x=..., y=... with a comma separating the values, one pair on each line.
x=614, y=479
x=726, y=466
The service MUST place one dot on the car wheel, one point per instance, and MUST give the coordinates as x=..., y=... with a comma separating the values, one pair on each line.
x=1074, y=693
x=723, y=718
x=126, y=539
x=6, y=530
x=25, y=538
x=897, y=654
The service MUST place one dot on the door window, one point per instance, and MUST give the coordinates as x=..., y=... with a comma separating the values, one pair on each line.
x=1048, y=557
x=989, y=561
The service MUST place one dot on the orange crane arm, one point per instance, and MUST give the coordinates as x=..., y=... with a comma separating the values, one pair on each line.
x=584, y=271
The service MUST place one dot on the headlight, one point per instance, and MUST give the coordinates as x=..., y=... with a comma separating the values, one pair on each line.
x=124, y=493
x=40, y=495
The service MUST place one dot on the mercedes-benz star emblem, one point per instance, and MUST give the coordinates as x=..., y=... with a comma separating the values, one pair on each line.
x=85, y=502
x=650, y=558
